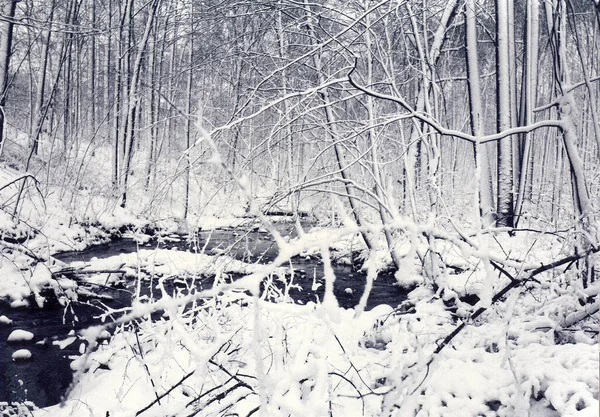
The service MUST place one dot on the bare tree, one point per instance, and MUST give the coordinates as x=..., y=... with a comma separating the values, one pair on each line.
x=503, y=109
x=482, y=154
x=8, y=8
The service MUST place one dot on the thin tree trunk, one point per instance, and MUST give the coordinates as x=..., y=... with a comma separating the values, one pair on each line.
x=152, y=105
x=6, y=34
x=505, y=176
x=482, y=159
x=428, y=60
x=133, y=99
x=67, y=79
x=188, y=121
x=334, y=135
x=372, y=143
x=109, y=87
x=588, y=85
x=514, y=98
x=39, y=111
x=287, y=129
x=92, y=71
x=529, y=88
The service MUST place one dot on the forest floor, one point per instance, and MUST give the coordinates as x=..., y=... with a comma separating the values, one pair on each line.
x=223, y=351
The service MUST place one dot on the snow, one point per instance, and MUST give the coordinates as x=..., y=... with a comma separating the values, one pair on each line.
x=18, y=335
x=64, y=343
x=312, y=347
x=21, y=355
x=5, y=321
x=307, y=360
x=173, y=263
x=311, y=362
x=317, y=359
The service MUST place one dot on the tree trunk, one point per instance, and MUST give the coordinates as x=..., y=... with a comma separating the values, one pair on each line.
x=332, y=130
x=372, y=143
x=39, y=111
x=132, y=98
x=188, y=121
x=92, y=72
x=586, y=223
x=482, y=157
x=528, y=89
x=6, y=33
x=503, y=109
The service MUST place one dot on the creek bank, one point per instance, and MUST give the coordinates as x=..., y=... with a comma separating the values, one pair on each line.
x=56, y=326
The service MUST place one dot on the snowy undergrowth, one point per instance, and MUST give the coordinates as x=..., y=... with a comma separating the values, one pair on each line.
x=229, y=354
x=506, y=363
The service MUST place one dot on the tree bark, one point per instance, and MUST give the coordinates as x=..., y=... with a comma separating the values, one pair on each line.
x=6, y=34
x=482, y=157
x=132, y=98
x=528, y=89
x=505, y=175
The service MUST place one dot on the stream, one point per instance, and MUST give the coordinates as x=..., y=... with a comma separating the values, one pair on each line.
x=46, y=377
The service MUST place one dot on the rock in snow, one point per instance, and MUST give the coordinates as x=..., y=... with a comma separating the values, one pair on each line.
x=5, y=321
x=20, y=336
x=21, y=355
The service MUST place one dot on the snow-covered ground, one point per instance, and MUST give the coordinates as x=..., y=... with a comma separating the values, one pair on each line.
x=220, y=351
x=231, y=354
x=224, y=352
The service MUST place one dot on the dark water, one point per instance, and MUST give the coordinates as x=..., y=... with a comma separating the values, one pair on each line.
x=45, y=378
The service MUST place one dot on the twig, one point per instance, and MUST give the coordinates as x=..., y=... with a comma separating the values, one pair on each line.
x=199, y=397
x=234, y=376
x=254, y=410
x=137, y=338
x=360, y=395
x=165, y=393
x=352, y=364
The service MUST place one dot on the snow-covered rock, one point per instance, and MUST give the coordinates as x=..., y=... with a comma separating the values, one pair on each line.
x=19, y=303
x=5, y=321
x=21, y=355
x=20, y=336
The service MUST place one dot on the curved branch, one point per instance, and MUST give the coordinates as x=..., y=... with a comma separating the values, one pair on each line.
x=435, y=125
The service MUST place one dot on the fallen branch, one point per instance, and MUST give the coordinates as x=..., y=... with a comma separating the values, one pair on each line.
x=167, y=392
x=575, y=317
x=74, y=271
x=513, y=284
